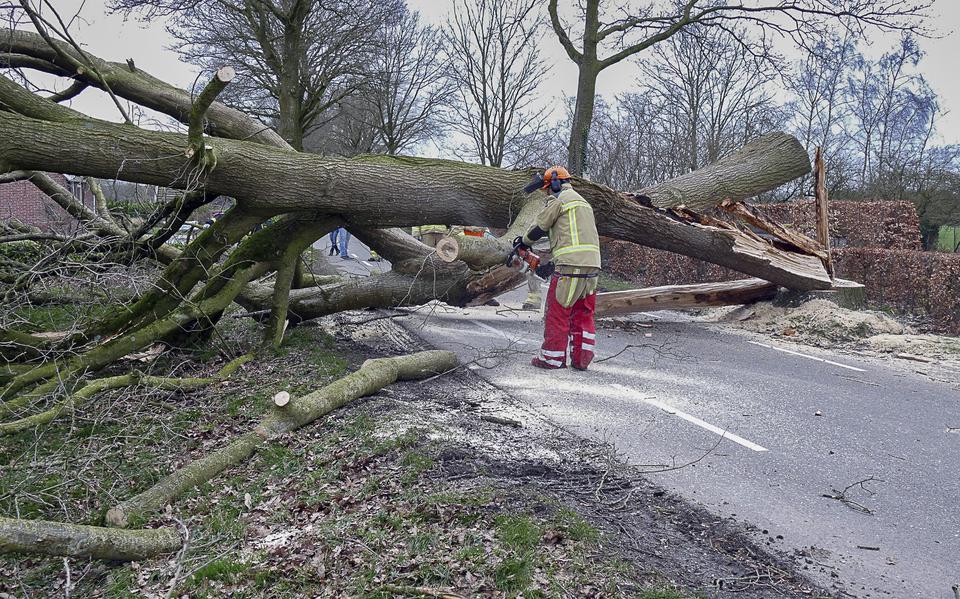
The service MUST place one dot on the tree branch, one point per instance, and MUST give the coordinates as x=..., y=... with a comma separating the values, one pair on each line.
x=558, y=28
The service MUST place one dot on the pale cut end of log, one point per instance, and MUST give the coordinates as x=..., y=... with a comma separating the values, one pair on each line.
x=448, y=249
x=281, y=399
x=226, y=74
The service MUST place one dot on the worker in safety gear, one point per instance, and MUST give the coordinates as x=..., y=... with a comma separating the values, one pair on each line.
x=575, y=247
x=430, y=234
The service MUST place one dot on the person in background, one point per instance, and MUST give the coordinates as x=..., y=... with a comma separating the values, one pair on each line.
x=333, y=242
x=431, y=234
x=343, y=239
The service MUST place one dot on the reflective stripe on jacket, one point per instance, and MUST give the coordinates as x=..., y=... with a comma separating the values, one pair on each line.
x=574, y=240
x=433, y=229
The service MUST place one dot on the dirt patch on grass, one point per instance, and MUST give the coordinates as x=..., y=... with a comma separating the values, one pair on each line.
x=412, y=491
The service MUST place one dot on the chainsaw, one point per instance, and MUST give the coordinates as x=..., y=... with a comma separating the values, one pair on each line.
x=523, y=259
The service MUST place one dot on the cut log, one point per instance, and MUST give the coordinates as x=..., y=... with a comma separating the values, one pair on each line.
x=448, y=249
x=673, y=297
x=281, y=399
x=372, y=376
x=43, y=537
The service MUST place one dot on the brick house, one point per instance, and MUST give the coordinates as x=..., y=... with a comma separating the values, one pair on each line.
x=22, y=201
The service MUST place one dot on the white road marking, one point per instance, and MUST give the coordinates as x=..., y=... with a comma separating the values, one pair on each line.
x=691, y=419
x=462, y=333
x=795, y=353
x=484, y=325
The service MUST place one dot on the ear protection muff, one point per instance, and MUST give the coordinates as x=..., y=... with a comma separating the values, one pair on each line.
x=555, y=183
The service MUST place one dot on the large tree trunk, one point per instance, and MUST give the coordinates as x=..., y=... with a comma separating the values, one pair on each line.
x=762, y=165
x=381, y=190
x=582, y=116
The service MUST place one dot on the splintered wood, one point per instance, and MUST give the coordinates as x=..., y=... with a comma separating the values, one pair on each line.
x=823, y=208
x=796, y=240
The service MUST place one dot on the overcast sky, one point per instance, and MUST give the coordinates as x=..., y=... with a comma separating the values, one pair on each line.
x=113, y=38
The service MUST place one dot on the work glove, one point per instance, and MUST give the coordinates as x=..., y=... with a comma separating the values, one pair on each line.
x=545, y=270
x=519, y=244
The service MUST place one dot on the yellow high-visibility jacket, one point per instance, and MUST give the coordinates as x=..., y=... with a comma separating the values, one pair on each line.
x=568, y=219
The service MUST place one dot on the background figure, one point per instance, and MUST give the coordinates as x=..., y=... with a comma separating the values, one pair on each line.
x=343, y=239
x=333, y=242
x=431, y=234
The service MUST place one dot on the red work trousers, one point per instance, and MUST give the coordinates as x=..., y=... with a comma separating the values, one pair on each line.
x=573, y=326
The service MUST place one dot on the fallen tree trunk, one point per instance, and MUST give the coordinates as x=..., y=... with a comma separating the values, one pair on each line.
x=372, y=376
x=44, y=537
x=763, y=164
x=672, y=297
x=396, y=191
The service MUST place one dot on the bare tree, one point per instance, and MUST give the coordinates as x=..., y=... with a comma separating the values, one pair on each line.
x=712, y=88
x=892, y=118
x=495, y=66
x=701, y=95
x=819, y=107
x=631, y=29
x=296, y=58
x=346, y=129
x=410, y=87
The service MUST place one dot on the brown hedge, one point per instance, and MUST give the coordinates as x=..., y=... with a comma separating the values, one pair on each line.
x=908, y=281
x=880, y=224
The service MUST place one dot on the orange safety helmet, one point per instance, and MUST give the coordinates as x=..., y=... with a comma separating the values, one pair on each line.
x=551, y=179
x=557, y=173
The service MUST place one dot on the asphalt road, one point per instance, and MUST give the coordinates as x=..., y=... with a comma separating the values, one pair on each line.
x=757, y=434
